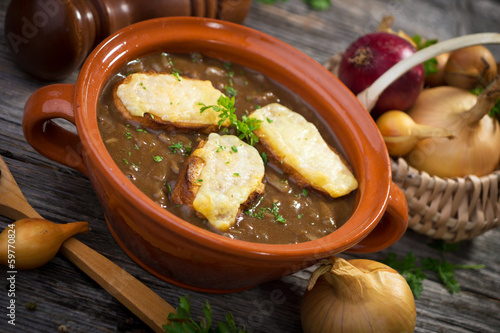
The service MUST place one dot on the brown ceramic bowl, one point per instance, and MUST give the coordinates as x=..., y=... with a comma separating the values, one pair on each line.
x=164, y=244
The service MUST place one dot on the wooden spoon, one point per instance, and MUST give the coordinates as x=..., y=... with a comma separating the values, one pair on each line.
x=138, y=298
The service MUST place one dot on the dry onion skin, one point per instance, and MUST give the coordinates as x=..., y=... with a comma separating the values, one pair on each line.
x=357, y=296
x=475, y=148
x=437, y=78
x=401, y=134
x=470, y=67
x=35, y=241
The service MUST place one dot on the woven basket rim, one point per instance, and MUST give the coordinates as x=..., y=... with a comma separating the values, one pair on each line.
x=452, y=209
x=416, y=176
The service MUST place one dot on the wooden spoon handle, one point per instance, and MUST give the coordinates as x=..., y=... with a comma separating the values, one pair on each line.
x=132, y=293
x=13, y=204
x=129, y=291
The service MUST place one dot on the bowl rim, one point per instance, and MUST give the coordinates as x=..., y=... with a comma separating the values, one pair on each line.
x=357, y=123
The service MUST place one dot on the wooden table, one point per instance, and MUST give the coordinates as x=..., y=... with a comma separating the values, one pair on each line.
x=66, y=296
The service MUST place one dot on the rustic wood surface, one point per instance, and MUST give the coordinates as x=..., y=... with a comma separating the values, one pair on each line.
x=64, y=295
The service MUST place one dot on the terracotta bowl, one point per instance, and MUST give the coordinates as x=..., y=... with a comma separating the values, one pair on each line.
x=164, y=244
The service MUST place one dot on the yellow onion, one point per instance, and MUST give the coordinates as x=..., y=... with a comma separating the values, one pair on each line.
x=401, y=134
x=475, y=149
x=386, y=26
x=470, y=67
x=437, y=78
x=30, y=243
x=357, y=296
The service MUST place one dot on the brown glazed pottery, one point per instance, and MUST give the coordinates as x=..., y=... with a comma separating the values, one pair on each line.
x=49, y=39
x=164, y=244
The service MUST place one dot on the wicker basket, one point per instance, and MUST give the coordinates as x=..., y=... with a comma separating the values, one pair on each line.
x=452, y=209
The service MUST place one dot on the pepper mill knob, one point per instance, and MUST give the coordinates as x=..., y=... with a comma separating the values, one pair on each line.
x=49, y=39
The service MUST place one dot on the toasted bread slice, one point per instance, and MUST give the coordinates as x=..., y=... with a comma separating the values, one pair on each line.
x=222, y=177
x=168, y=101
x=302, y=152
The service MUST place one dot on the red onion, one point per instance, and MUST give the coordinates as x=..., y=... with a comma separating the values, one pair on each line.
x=369, y=57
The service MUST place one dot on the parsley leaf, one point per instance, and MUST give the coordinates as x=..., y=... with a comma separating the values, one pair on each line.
x=413, y=271
x=275, y=211
x=182, y=321
x=430, y=66
x=495, y=110
x=321, y=5
x=180, y=147
x=244, y=127
x=264, y=157
x=158, y=158
x=407, y=268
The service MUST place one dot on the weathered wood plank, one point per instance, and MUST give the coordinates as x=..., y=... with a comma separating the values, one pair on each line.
x=65, y=295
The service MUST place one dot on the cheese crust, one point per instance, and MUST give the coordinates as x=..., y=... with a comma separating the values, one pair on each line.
x=222, y=177
x=167, y=99
x=300, y=150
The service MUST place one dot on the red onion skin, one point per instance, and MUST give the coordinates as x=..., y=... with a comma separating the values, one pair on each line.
x=386, y=49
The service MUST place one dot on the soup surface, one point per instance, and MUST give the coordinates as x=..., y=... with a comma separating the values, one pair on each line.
x=153, y=158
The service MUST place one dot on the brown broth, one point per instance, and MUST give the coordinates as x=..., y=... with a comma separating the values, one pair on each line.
x=153, y=159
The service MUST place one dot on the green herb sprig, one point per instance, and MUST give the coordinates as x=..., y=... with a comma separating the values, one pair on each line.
x=320, y=5
x=413, y=269
x=183, y=321
x=244, y=127
x=430, y=66
x=495, y=110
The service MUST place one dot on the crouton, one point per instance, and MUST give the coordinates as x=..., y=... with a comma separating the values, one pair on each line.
x=222, y=177
x=168, y=101
x=300, y=150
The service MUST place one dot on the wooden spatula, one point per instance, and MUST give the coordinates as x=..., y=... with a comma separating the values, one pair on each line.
x=129, y=291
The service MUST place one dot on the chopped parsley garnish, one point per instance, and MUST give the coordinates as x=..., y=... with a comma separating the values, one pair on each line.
x=304, y=192
x=236, y=174
x=176, y=73
x=275, y=211
x=158, y=158
x=135, y=166
x=264, y=157
x=234, y=149
x=231, y=91
x=176, y=146
x=180, y=147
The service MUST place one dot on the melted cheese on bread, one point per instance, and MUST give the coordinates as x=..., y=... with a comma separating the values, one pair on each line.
x=297, y=143
x=169, y=98
x=232, y=173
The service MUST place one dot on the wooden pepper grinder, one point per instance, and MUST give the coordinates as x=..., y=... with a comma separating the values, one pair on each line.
x=49, y=39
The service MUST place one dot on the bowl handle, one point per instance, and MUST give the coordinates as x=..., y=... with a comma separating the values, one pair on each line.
x=46, y=136
x=390, y=228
